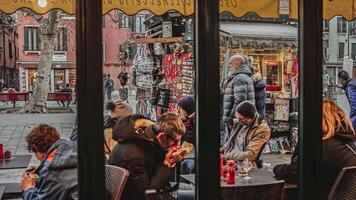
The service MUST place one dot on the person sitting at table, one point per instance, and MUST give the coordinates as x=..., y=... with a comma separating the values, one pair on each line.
x=249, y=135
x=186, y=112
x=337, y=134
x=57, y=172
x=150, y=153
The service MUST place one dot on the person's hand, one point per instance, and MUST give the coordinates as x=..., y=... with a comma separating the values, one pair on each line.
x=173, y=157
x=222, y=150
x=28, y=181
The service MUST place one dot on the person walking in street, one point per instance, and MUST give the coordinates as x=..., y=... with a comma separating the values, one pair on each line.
x=66, y=89
x=57, y=175
x=150, y=153
x=109, y=86
x=349, y=85
x=260, y=94
x=248, y=137
x=238, y=87
x=2, y=85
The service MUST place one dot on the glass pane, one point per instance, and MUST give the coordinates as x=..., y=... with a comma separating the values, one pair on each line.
x=148, y=71
x=38, y=105
x=338, y=106
x=259, y=121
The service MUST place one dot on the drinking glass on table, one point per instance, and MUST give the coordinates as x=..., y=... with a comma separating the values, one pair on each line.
x=247, y=166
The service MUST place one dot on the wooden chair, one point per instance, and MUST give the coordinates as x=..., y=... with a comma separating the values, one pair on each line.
x=344, y=185
x=270, y=191
x=115, y=180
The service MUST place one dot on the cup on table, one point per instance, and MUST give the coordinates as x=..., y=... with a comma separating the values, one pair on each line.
x=1, y=151
x=240, y=170
x=7, y=154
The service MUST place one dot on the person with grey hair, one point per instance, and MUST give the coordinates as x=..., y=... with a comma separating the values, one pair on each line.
x=238, y=87
x=260, y=94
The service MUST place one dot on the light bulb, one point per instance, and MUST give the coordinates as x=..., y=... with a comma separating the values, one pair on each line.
x=42, y=3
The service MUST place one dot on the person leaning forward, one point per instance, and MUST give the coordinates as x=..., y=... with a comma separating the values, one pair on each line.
x=149, y=153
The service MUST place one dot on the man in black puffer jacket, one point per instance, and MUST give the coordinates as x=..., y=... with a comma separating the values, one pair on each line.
x=238, y=87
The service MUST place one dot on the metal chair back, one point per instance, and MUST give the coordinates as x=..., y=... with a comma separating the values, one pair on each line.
x=115, y=180
x=270, y=191
x=344, y=185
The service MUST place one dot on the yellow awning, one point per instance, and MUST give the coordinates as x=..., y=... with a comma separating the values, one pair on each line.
x=264, y=8
x=331, y=8
x=38, y=6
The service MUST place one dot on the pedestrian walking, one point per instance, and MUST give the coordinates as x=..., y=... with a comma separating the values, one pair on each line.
x=349, y=85
x=109, y=86
x=260, y=94
x=238, y=87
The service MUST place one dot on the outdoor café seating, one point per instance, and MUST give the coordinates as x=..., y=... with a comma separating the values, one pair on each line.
x=343, y=187
x=115, y=180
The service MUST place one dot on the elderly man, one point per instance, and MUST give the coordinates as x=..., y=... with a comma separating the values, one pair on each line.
x=248, y=136
x=238, y=87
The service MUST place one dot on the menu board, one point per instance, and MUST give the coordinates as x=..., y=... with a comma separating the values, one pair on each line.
x=281, y=109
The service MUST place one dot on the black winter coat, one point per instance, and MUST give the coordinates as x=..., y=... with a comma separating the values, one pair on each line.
x=260, y=97
x=335, y=157
x=143, y=158
x=237, y=88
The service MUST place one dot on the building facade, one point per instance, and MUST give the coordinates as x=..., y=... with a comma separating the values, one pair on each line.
x=9, y=53
x=64, y=59
x=339, y=38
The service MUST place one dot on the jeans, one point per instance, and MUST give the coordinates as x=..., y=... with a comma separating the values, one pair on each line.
x=108, y=93
x=187, y=166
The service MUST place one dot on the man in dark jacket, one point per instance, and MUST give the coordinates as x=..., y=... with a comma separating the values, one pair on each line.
x=260, y=94
x=57, y=173
x=109, y=86
x=238, y=87
x=186, y=112
x=349, y=85
x=148, y=153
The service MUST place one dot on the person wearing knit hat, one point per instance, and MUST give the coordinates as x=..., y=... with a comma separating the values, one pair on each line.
x=248, y=137
x=186, y=112
x=119, y=110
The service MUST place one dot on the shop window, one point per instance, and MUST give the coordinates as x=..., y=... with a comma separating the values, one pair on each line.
x=124, y=21
x=32, y=39
x=341, y=50
x=62, y=41
x=139, y=26
x=353, y=51
x=341, y=25
x=326, y=26
x=353, y=28
x=72, y=77
x=59, y=78
x=32, y=73
x=11, y=53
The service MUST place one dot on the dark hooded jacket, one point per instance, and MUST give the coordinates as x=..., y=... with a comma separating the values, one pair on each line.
x=142, y=156
x=336, y=155
x=57, y=174
x=350, y=90
x=237, y=88
x=260, y=97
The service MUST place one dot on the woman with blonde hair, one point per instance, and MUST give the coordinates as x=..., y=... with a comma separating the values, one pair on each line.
x=337, y=154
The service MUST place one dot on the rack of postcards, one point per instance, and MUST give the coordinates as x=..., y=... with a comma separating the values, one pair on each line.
x=282, y=118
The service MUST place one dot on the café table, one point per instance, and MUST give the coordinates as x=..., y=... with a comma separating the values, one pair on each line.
x=15, y=162
x=259, y=177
